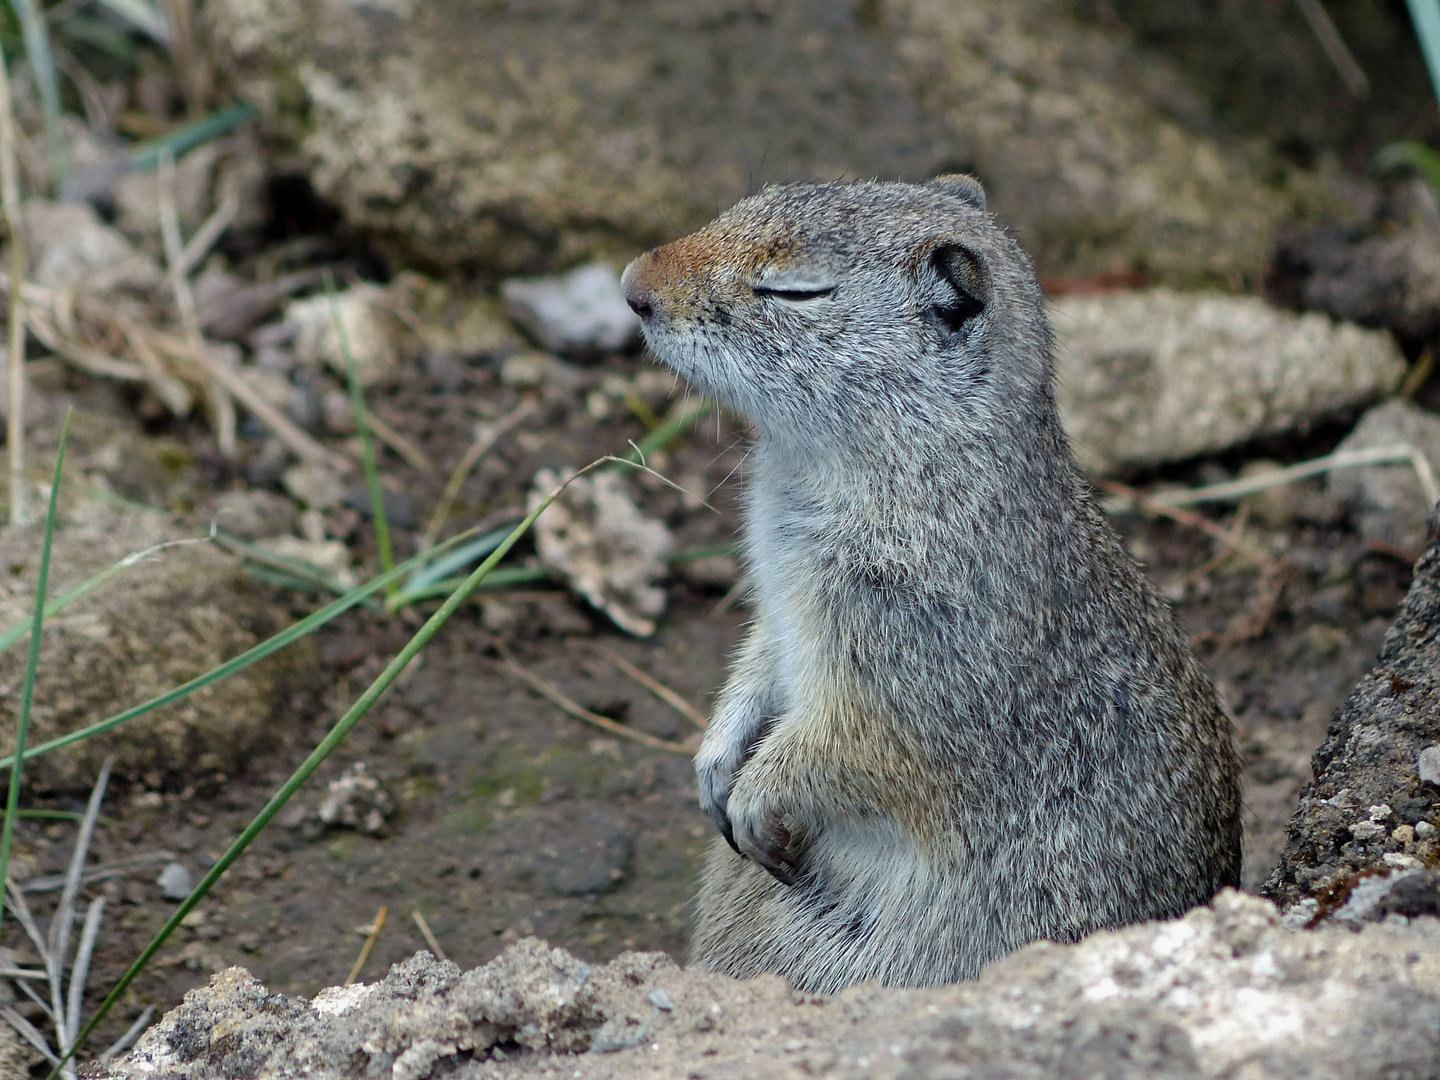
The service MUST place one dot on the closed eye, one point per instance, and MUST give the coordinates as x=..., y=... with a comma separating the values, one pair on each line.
x=794, y=295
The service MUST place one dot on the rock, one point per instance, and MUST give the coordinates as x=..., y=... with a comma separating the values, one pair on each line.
x=719, y=572
x=1225, y=991
x=315, y=486
x=1409, y=892
x=604, y=547
x=1386, y=500
x=1368, y=768
x=378, y=340
x=582, y=312
x=594, y=856
x=332, y=556
x=356, y=800
x=399, y=510
x=15, y=1057
x=1427, y=765
x=176, y=882
x=254, y=514
x=164, y=620
x=1155, y=376
x=529, y=137
x=68, y=244
x=1390, y=280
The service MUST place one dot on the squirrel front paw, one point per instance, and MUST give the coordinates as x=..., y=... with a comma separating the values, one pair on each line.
x=716, y=763
x=761, y=831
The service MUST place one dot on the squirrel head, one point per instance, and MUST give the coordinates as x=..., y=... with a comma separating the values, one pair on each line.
x=833, y=313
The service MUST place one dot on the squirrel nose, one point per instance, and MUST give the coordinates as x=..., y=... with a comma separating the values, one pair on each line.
x=640, y=298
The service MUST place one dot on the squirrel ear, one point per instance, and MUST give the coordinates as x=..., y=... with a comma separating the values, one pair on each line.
x=963, y=187
x=966, y=274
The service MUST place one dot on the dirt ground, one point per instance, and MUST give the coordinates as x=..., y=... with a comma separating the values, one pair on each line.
x=515, y=819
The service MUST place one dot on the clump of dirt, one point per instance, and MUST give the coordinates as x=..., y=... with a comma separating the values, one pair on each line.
x=170, y=615
x=1224, y=988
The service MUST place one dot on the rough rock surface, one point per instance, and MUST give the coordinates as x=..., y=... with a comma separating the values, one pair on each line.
x=524, y=136
x=1225, y=991
x=1368, y=811
x=1387, y=501
x=1154, y=376
x=161, y=622
x=600, y=543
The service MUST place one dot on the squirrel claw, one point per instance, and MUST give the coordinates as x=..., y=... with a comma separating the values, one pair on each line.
x=772, y=849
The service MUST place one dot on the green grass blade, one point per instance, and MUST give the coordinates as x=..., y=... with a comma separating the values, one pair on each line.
x=333, y=738
x=147, y=155
x=144, y=16
x=1425, y=14
x=42, y=62
x=510, y=575
x=32, y=663
x=456, y=560
x=367, y=443
x=271, y=645
x=661, y=436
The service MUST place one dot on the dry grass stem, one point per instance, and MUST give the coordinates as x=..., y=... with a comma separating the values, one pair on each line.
x=1334, y=47
x=400, y=444
x=1391, y=454
x=1418, y=374
x=546, y=689
x=486, y=436
x=369, y=944
x=10, y=197
x=205, y=238
x=222, y=407
x=428, y=936
x=659, y=689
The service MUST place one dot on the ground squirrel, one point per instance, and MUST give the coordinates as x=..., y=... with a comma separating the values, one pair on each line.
x=962, y=719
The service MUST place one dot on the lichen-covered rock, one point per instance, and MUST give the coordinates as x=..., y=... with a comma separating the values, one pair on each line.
x=603, y=546
x=1368, y=810
x=1224, y=992
x=167, y=618
x=526, y=136
x=1155, y=376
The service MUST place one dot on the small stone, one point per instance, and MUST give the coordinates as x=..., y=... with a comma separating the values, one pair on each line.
x=1428, y=765
x=314, y=485
x=1399, y=861
x=356, y=800
x=1424, y=829
x=377, y=340
x=1379, y=812
x=581, y=312
x=175, y=882
x=1403, y=834
x=1365, y=831
x=661, y=1000
x=1298, y=915
x=253, y=514
x=399, y=511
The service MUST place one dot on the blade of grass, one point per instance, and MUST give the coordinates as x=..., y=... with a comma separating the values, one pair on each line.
x=179, y=142
x=65, y=910
x=145, y=17
x=332, y=739
x=442, y=568
x=42, y=62
x=486, y=436
x=80, y=970
x=271, y=645
x=370, y=938
x=516, y=575
x=89, y=585
x=1425, y=14
x=32, y=662
x=123, y=1043
x=10, y=199
x=367, y=443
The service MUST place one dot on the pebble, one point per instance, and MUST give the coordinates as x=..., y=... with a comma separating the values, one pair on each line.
x=583, y=311
x=1428, y=765
x=1424, y=829
x=175, y=882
